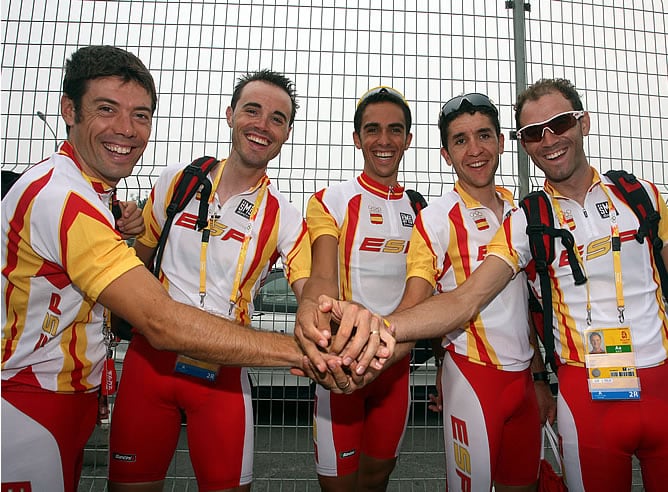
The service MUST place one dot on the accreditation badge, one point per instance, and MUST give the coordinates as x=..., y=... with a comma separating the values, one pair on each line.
x=197, y=368
x=611, y=365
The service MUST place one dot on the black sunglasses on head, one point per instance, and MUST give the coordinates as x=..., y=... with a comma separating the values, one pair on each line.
x=474, y=99
x=558, y=124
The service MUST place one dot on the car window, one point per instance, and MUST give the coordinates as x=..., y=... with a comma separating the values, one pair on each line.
x=276, y=295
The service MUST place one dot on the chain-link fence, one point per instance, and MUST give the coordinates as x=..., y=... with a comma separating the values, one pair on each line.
x=615, y=53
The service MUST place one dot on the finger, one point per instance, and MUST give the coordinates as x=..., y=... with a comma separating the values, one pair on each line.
x=389, y=342
x=342, y=379
x=128, y=208
x=349, y=323
x=313, y=353
x=295, y=371
x=357, y=379
x=307, y=336
x=312, y=325
x=311, y=371
x=372, y=348
x=326, y=303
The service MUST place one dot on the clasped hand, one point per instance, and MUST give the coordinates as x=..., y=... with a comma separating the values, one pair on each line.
x=345, y=345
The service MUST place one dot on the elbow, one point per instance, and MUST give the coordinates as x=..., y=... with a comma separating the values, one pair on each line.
x=157, y=329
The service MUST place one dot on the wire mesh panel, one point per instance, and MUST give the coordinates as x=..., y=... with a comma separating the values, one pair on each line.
x=334, y=51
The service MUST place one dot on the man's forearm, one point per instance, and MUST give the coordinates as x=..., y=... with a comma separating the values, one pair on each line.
x=169, y=325
x=445, y=312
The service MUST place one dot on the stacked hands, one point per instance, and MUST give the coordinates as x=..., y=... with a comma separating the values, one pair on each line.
x=345, y=345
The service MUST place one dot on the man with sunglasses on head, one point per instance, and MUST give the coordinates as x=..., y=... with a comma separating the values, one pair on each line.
x=360, y=231
x=620, y=280
x=489, y=398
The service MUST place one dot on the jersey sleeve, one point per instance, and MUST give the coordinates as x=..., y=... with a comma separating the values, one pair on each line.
x=422, y=259
x=295, y=249
x=92, y=252
x=511, y=242
x=662, y=208
x=319, y=219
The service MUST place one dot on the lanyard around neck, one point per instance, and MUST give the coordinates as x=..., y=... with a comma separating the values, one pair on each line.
x=206, y=233
x=616, y=254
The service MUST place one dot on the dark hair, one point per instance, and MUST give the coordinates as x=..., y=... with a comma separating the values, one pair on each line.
x=270, y=77
x=595, y=334
x=465, y=106
x=545, y=86
x=92, y=62
x=378, y=96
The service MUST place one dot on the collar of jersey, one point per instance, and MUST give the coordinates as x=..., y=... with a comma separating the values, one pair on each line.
x=380, y=190
x=98, y=185
x=549, y=189
x=471, y=202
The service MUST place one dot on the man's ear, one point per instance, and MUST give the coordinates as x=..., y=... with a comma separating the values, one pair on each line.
x=586, y=124
x=228, y=116
x=446, y=156
x=409, y=139
x=356, y=139
x=67, y=110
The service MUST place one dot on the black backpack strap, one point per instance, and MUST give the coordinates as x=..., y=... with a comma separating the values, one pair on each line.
x=538, y=211
x=541, y=232
x=417, y=200
x=8, y=180
x=422, y=351
x=192, y=179
x=636, y=196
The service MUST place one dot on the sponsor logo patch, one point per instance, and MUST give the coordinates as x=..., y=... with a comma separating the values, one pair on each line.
x=603, y=210
x=406, y=219
x=244, y=209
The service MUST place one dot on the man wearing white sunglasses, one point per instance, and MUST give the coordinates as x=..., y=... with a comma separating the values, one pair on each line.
x=552, y=126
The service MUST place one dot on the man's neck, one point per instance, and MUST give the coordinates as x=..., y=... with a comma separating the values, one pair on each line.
x=237, y=178
x=577, y=186
x=389, y=181
x=487, y=196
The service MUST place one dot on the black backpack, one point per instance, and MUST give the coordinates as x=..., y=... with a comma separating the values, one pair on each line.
x=541, y=232
x=192, y=179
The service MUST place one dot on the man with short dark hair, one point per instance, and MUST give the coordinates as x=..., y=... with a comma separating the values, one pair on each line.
x=360, y=231
x=250, y=224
